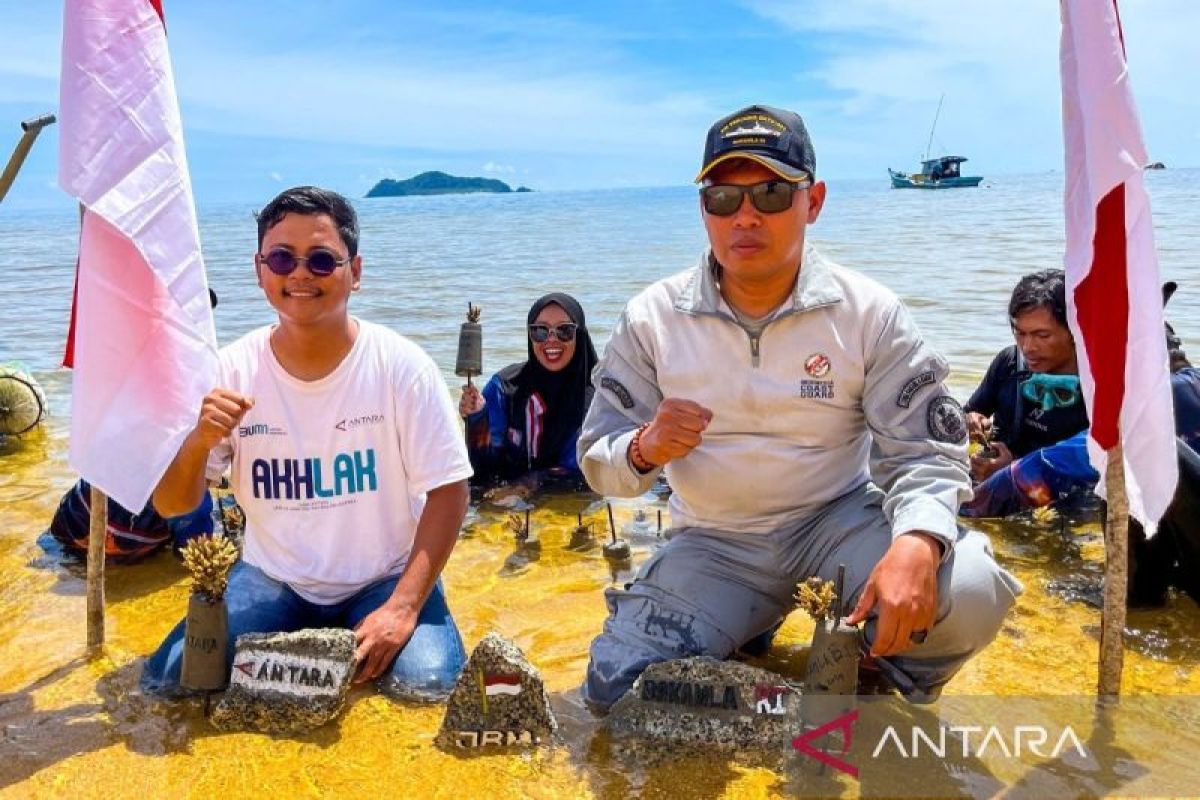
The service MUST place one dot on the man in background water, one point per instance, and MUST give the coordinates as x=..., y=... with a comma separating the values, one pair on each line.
x=802, y=422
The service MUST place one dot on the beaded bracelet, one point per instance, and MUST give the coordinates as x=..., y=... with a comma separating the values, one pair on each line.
x=639, y=462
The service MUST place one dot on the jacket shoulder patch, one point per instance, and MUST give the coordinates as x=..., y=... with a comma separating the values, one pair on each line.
x=914, y=385
x=617, y=388
x=946, y=420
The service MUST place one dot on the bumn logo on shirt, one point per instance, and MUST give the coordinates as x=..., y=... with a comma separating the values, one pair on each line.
x=260, y=429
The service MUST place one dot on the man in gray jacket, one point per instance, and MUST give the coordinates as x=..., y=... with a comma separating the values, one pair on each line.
x=802, y=422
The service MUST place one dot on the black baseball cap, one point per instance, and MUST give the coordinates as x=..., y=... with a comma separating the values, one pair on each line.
x=775, y=138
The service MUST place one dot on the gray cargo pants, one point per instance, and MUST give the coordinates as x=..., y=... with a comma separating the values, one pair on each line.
x=707, y=592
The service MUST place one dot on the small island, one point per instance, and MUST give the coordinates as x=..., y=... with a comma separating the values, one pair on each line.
x=439, y=183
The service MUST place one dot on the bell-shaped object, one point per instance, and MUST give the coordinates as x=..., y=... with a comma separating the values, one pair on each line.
x=617, y=550
x=581, y=535
x=833, y=659
x=470, y=345
x=205, y=643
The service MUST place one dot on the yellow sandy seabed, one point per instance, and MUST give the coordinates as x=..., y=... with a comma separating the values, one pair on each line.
x=73, y=728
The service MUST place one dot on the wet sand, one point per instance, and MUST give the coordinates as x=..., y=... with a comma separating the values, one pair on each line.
x=77, y=727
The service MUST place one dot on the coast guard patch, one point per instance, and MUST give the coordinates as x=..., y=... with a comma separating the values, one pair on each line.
x=817, y=365
x=946, y=420
x=617, y=388
x=904, y=399
x=816, y=390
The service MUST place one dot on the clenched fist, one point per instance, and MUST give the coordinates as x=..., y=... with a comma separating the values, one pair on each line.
x=471, y=401
x=677, y=428
x=220, y=413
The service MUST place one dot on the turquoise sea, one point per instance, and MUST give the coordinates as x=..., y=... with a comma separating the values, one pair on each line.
x=73, y=726
x=953, y=256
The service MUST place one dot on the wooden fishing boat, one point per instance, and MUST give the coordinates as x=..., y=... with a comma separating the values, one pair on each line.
x=943, y=172
x=936, y=173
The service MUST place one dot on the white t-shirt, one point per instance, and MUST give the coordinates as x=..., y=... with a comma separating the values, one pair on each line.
x=333, y=473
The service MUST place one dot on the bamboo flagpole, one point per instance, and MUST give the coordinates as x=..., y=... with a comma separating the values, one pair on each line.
x=97, y=533
x=1116, y=577
x=97, y=528
x=1114, y=300
x=30, y=129
x=141, y=341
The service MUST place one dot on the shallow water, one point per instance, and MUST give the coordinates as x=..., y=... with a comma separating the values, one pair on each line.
x=69, y=726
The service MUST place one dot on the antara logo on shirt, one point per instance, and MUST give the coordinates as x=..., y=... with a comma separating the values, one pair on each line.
x=353, y=423
x=304, y=478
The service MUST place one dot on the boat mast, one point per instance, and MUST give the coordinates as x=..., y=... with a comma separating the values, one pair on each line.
x=933, y=127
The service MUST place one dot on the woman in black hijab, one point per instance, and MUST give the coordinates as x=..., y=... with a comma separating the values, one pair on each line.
x=527, y=419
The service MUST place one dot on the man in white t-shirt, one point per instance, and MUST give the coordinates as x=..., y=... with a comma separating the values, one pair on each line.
x=347, y=457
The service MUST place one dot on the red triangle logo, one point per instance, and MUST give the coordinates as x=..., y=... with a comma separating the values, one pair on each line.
x=845, y=723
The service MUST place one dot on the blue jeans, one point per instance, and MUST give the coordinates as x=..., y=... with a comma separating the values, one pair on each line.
x=424, y=670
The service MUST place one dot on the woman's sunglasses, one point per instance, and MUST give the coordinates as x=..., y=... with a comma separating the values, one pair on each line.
x=320, y=262
x=564, y=332
x=769, y=197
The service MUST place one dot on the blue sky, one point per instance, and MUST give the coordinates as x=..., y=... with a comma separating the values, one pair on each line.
x=602, y=95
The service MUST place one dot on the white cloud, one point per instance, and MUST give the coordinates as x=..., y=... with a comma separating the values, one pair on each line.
x=275, y=176
x=888, y=61
x=448, y=90
x=411, y=106
x=437, y=81
x=583, y=98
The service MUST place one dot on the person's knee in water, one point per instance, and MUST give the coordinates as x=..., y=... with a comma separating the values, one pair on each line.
x=382, y=499
x=744, y=380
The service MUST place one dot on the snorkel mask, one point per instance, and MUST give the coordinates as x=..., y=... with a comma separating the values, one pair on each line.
x=1051, y=391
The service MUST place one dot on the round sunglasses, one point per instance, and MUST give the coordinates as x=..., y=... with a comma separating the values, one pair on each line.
x=564, y=332
x=769, y=197
x=321, y=263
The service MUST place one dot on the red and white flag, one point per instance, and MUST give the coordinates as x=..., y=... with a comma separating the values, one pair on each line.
x=1114, y=298
x=142, y=342
x=501, y=684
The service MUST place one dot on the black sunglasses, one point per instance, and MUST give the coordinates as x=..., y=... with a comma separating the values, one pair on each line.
x=564, y=332
x=769, y=197
x=320, y=262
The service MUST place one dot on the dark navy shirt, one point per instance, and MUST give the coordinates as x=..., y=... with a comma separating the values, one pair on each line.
x=1061, y=470
x=1185, y=389
x=1022, y=426
x=496, y=441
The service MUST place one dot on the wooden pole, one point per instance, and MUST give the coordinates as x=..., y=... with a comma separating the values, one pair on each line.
x=1116, y=577
x=31, y=128
x=97, y=533
x=95, y=570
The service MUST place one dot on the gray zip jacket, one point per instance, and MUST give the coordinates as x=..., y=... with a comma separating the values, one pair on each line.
x=837, y=389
